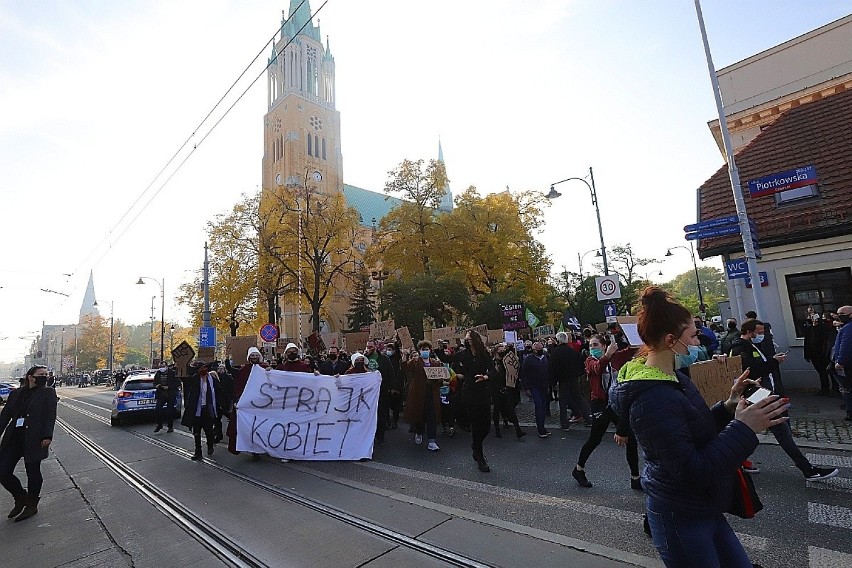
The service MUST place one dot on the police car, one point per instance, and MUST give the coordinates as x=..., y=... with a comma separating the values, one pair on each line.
x=6, y=388
x=137, y=397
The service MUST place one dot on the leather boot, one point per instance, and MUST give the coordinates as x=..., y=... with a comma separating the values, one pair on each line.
x=29, y=510
x=20, y=503
x=483, y=465
x=519, y=432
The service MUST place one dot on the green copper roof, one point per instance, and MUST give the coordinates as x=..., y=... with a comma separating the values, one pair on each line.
x=298, y=16
x=370, y=204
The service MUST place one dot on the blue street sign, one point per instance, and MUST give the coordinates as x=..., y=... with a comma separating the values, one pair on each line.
x=207, y=337
x=764, y=280
x=269, y=332
x=710, y=233
x=712, y=223
x=610, y=310
x=736, y=268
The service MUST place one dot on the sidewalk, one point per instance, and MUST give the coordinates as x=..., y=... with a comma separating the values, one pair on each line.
x=817, y=421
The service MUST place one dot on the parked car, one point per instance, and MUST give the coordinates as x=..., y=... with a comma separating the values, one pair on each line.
x=6, y=388
x=137, y=397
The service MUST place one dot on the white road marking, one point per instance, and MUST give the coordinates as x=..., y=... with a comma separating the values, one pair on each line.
x=829, y=460
x=824, y=558
x=842, y=484
x=830, y=515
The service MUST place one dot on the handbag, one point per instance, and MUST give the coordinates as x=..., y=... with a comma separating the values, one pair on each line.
x=744, y=502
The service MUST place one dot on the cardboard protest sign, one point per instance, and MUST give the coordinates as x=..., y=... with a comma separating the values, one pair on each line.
x=482, y=330
x=314, y=342
x=437, y=373
x=510, y=337
x=305, y=417
x=543, y=331
x=629, y=325
x=513, y=365
x=494, y=336
x=237, y=347
x=714, y=379
x=405, y=338
x=206, y=354
x=382, y=329
x=182, y=355
x=444, y=334
x=331, y=339
x=355, y=340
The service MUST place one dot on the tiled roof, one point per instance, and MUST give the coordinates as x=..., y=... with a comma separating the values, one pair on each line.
x=370, y=204
x=818, y=133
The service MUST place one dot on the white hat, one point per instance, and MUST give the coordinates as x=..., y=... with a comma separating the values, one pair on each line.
x=251, y=351
x=356, y=356
x=291, y=346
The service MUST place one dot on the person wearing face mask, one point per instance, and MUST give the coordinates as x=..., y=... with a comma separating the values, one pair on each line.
x=241, y=376
x=423, y=403
x=764, y=369
x=167, y=385
x=358, y=364
x=203, y=395
x=817, y=349
x=842, y=356
x=27, y=422
x=377, y=361
x=396, y=386
x=292, y=362
x=334, y=365
x=475, y=370
x=602, y=368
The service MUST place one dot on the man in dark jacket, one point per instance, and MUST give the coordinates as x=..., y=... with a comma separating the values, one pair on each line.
x=567, y=368
x=842, y=356
x=28, y=419
x=377, y=361
x=334, y=365
x=817, y=350
x=202, y=395
x=226, y=384
x=166, y=384
x=535, y=373
x=763, y=367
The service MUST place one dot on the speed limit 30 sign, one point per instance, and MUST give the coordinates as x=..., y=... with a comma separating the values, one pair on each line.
x=607, y=288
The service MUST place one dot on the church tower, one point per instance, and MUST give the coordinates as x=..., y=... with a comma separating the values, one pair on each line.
x=88, y=308
x=302, y=125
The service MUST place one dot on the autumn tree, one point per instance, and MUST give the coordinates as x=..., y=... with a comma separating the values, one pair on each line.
x=436, y=298
x=306, y=237
x=713, y=289
x=93, y=343
x=361, y=311
x=406, y=236
x=580, y=294
x=233, y=270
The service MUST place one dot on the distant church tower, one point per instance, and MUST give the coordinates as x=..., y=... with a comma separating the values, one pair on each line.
x=447, y=199
x=301, y=127
x=87, y=308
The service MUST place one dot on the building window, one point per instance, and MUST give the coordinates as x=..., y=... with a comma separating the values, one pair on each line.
x=310, y=145
x=323, y=149
x=797, y=194
x=824, y=290
x=316, y=147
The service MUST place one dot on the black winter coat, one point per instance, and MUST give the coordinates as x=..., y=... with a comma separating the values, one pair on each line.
x=470, y=365
x=38, y=421
x=167, y=385
x=191, y=392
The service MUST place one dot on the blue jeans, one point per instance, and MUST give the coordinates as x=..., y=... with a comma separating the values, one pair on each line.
x=539, y=396
x=845, y=384
x=694, y=541
x=784, y=435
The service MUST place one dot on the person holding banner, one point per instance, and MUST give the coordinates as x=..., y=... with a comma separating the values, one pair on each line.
x=241, y=376
x=476, y=369
x=334, y=365
x=378, y=361
x=692, y=452
x=423, y=404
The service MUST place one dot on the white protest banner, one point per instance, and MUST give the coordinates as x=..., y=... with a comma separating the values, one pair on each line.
x=301, y=416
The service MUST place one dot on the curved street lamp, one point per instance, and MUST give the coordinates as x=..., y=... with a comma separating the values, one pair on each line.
x=553, y=194
x=701, y=307
x=162, y=284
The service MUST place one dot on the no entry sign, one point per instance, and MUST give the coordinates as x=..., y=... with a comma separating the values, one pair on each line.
x=269, y=332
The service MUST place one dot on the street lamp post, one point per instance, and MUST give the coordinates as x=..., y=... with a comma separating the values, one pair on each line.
x=701, y=307
x=172, y=337
x=111, y=334
x=379, y=276
x=61, y=352
x=581, y=257
x=553, y=194
x=162, y=284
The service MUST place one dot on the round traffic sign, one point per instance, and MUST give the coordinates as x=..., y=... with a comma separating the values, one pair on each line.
x=269, y=332
x=607, y=287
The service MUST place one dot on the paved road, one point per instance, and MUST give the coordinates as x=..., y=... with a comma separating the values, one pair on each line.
x=528, y=511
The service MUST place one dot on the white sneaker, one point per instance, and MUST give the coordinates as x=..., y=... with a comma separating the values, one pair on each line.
x=418, y=438
x=433, y=446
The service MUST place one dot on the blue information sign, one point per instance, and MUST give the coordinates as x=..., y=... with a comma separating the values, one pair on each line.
x=712, y=223
x=764, y=280
x=610, y=310
x=710, y=233
x=736, y=268
x=782, y=181
x=207, y=337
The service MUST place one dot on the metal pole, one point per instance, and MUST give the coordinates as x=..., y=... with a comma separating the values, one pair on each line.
x=61, y=351
x=733, y=173
x=152, y=330
x=600, y=227
x=162, y=318
x=300, y=265
x=580, y=262
x=205, y=314
x=111, y=335
x=701, y=307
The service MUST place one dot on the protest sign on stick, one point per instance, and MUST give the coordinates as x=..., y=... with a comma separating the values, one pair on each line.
x=182, y=355
x=237, y=347
x=382, y=329
x=405, y=338
x=437, y=373
x=715, y=379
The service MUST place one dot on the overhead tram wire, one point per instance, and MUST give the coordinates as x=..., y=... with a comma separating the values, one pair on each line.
x=210, y=131
x=184, y=145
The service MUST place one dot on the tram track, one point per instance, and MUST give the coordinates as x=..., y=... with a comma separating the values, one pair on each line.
x=228, y=550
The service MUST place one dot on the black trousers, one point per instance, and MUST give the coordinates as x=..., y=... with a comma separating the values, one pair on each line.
x=599, y=426
x=9, y=458
x=203, y=422
x=480, y=425
x=504, y=406
x=395, y=402
x=382, y=414
x=165, y=408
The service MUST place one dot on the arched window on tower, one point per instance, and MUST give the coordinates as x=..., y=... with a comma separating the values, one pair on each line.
x=316, y=146
x=323, y=149
x=310, y=141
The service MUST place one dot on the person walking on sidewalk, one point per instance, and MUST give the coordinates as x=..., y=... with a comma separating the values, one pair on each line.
x=843, y=357
x=764, y=368
x=535, y=375
x=167, y=385
x=602, y=368
x=27, y=420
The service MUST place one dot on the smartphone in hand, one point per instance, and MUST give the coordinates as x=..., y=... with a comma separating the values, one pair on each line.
x=756, y=395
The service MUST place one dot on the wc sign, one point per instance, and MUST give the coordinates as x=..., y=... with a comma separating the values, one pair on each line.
x=736, y=268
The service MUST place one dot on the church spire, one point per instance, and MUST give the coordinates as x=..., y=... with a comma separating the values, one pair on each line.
x=447, y=199
x=88, y=308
